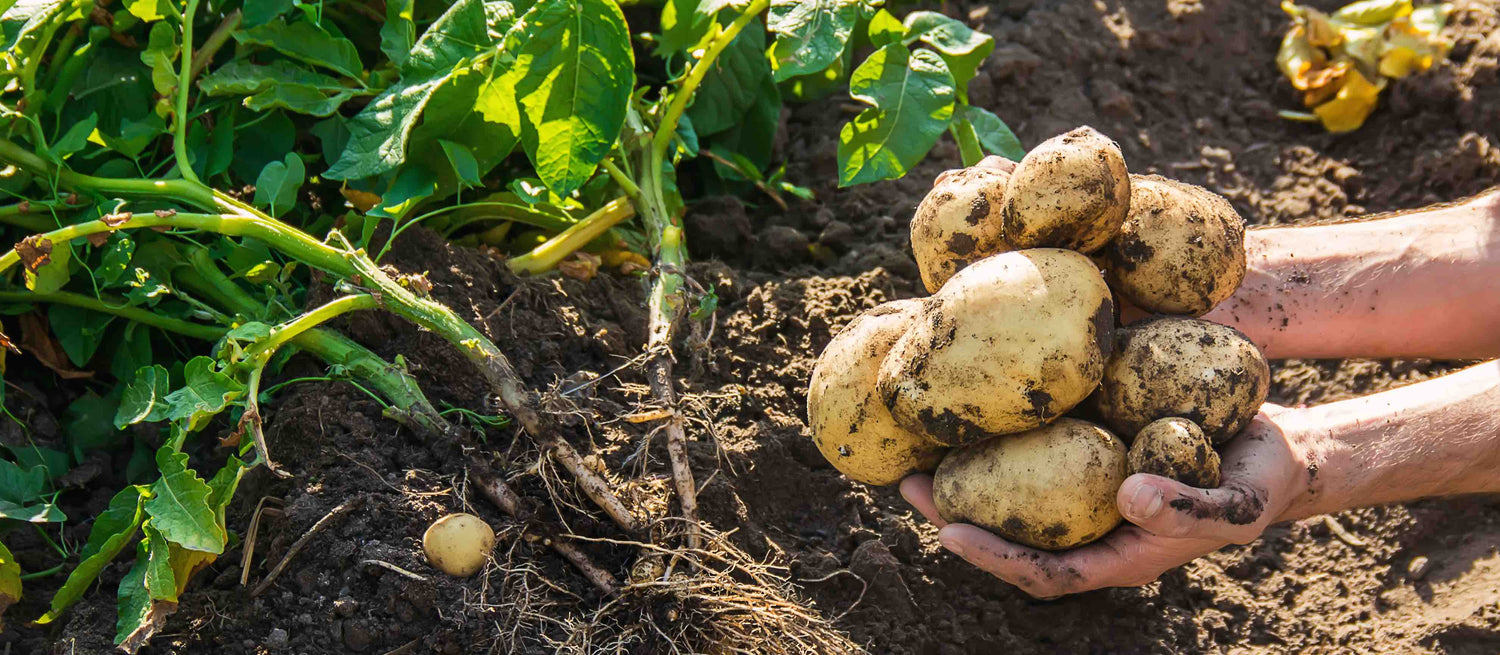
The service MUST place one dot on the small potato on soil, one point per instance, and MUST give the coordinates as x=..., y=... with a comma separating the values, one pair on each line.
x=1052, y=488
x=1175, y=448
x=958, y=223
x=1072, y=191
x=851, y=426
x=1167, y=366
x=1181, y=249
x=1008, y=344
x=458, y=544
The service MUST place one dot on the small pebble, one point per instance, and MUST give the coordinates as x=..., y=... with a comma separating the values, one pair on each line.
x=345, y=607
x=1418, y=567
x=277, y=639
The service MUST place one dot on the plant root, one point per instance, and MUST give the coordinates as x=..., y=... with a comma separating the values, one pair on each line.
x=505, y=498
x=342, y=509
x=682, y=470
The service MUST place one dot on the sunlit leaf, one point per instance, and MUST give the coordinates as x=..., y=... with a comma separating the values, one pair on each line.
x=810, y=34
x=911, y=98
x=179, y=505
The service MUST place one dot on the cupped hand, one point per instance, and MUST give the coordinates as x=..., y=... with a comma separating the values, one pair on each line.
x=1168, y=523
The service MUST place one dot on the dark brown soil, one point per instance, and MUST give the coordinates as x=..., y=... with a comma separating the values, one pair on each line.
x=1189, y=90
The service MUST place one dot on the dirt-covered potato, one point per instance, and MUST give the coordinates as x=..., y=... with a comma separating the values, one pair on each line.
x=958, y=223
x=1072, y=191
x=1053, y=487
x=850, y=425
x=1207, y=373
x=458, y=544
x=1175, y=448
x=1181, y=249
x=1007, y=345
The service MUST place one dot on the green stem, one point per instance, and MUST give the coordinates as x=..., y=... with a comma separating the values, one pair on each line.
x=32, y=219
x=137, y=314
x=214, y=42
x=506, y=212
x=546, y=256
x=181, y=190
x=968, y=142
x=44, y=573
x=33, y=63
x=263, y=350
x=622, y=179
x=64, y=54
x=184, y=85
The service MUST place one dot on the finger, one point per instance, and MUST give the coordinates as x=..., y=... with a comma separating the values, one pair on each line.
x=917, y=490
x=1168, y=508
x=1049, y=575
x=997, y=162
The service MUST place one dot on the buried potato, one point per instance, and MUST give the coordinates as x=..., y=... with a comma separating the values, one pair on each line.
x=1208, y=373
x=1180, y=251
x=850, y=425
x=1007, y=345
x=1052, y=488
x=1175, y=448
x=958, y=223
x=1072, y=191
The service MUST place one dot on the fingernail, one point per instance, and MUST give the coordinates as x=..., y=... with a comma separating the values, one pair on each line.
x=1145, y=502
x=951, y=543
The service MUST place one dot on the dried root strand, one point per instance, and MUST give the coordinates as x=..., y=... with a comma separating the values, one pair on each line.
x=502, y=496
x=682, y=470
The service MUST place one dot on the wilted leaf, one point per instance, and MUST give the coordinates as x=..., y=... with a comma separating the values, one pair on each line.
x=1372, y=12
x=580, y=266
x=37, y=340
x=362, y=200
x=911, y=97
x=1353, y=104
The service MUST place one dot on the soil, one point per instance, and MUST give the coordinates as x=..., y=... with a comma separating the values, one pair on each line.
x=1189, y=90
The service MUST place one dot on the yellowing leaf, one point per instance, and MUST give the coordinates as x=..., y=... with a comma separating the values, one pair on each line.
x=1324, y=83
x=1400, y=62
x=1362, y=44
x=1430, y=19
x=1353, y=104
x=1297, y=57
x=1321, y=32
x=364, y=201
x=1373, y=12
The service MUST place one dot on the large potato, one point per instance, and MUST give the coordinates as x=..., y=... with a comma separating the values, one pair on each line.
x=958, y=223
x=1007, y=345
x=1053, y=487
x=1207, y=373
x=1072, y=191
x=1175, y=448
x=1180, y=251
x=850, y=425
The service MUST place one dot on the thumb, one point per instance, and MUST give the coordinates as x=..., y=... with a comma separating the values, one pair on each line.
x=1168, y=508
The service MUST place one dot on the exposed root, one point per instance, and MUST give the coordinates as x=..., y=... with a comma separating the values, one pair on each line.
x=506, y=499
x=594, y=485
x=297, y=546
x=682, y=471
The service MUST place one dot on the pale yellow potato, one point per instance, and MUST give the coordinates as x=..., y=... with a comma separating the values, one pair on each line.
x=1052, y=488
x=1175, y=448
x=850, y=425
x=458, y=544
x=958, y=223
x=1009, y=344
x=1181, y=249
x=1072, y=191
x=1207, y=373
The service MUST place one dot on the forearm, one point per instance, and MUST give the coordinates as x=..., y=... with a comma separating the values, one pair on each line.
x=1435, y=438
x=1420, y=284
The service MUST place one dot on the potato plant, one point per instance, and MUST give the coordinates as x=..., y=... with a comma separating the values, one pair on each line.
x=176, y=172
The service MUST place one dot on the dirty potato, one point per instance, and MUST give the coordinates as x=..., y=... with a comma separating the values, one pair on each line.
x=1053, y=487
x=1072, y=192
x=958, y=223
x=1009, y=344
x=1175, y=448
x=850, y=425
x=1181, y=249
x=1208, y=373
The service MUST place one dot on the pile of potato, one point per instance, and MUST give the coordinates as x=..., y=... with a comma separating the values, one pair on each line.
x=980, y=381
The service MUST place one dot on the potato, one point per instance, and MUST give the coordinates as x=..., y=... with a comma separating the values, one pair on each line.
x=1181, y=249
x=1007, y=345
x=850, y=425
x=1175, y=448
x=1208, y=373
x=458, y=544
x=1052, y=488
x=1072, y=191
x=958, y=223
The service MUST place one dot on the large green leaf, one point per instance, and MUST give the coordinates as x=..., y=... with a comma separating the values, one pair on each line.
x=399, y=32
x=573, y=74
x=179, y=505
x=206, y=393
x=279, y=85
x=145, y=399
x=10, y=581
x=457, y=115
x=304, y=41
x=78, y=331
x=996, y=137
x=160, y=52
x=24, y=17
x=276, y=187
x=132, y=601
x=260, y=12
x=734, y=85
x=911, y=96
x=810, y=34
x=112, y=531
x=961, y=47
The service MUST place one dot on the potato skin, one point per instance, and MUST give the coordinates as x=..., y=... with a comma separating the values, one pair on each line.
x=1175, y=448
x=1207, y=373
x=1181, y=249
x=1052, y=488
x=1072, y=191
x=458, y=544
x=850, y=425
x=958, y=223
x=1007, y=345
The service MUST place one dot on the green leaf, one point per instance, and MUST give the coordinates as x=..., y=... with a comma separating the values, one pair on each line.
x=411, y=186
x=333, y=135
x=113, y=530
x=885, y=29
x=220, y=145
x=810, y=34
x=89, y=423
x=74, y=139
x=306, y=42
x=54, y=274
x=399, y=32
x=79, y=331
x=160, y=52
x=279, y=85
x=206, y=393
x=133, y=602
x=260, y=12
x=24, y=494
x=24, y=17
x=681, y=27
x=753, y=135
x=464, y=164
x=131, y=352
x=54, y=462
x=148, y=10
x=179, y=505
x=277, y=185
x=116, y=259
x=161, y=584
x=573, y=74
x=734, y=85
x=993, y=133
x=145, y=399
x=961, y=47
x=911, y=97
x=265, y=140
x=223, y=485
x=10, y=580
x=456, y=114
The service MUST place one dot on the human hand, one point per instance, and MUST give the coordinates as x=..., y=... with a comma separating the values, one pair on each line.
x=1168, y=523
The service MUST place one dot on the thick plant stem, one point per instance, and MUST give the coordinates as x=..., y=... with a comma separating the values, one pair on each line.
x=122, y=310
x=545, y=257
x=215, y=40
x=184, y=87
x=32, y=216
